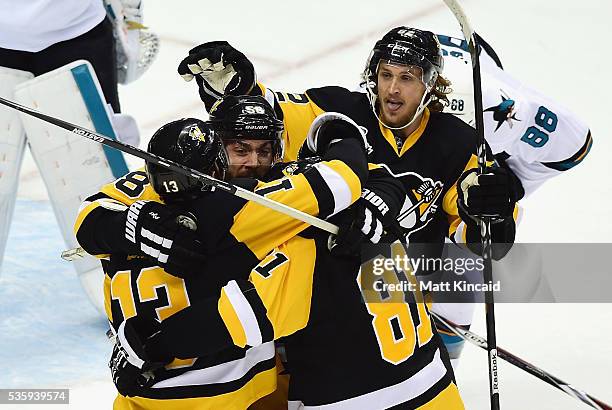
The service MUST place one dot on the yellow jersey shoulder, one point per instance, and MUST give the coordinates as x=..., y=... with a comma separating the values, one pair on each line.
x=131, y=187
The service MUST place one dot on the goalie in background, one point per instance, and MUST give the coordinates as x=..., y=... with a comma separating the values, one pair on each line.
x=66, y=57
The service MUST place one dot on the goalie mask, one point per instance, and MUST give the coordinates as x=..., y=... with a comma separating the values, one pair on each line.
x=236, y=118
x=189, y=142
x=404, y=46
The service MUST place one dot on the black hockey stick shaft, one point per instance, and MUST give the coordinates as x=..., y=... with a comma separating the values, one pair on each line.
x=485, y=221
x=176, y=167
x=522, y=364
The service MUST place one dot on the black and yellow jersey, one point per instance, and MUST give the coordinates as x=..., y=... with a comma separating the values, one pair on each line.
x=341, y=352
x=429, y=162
x=234, y=233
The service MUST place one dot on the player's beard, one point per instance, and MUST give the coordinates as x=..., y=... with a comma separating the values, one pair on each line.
x=239, y=171
x=404, y=115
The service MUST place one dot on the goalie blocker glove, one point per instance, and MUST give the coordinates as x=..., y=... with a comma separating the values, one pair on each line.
x=135, y=356
x=219, y=69
x=493, y=194
x=165, y=235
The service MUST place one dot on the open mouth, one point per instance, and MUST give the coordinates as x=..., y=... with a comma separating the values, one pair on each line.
x=393, y=105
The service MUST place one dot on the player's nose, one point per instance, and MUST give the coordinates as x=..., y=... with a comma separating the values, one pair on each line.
x=252, y=160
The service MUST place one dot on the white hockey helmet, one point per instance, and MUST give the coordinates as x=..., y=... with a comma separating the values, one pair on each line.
x=461, y=100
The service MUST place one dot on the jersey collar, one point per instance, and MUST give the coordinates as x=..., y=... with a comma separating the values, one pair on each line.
x=412, y=138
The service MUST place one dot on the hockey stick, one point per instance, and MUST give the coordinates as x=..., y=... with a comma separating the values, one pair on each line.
x=485, y=221
x=523, y=365
x=205, y=179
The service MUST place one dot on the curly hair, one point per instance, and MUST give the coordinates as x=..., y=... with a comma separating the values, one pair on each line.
x=439, y=93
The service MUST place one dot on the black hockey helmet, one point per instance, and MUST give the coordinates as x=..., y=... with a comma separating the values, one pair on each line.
x=407, y=46
x=190, y=142
x=248, y=117
x=410, y=47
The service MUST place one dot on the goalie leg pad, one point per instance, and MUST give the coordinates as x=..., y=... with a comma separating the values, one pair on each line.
x=12, y=146
x=71, y=167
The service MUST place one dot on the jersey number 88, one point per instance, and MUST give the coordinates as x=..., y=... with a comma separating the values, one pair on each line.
x=546, y=119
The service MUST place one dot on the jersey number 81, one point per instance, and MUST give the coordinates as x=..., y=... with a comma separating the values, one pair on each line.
x=393, y=317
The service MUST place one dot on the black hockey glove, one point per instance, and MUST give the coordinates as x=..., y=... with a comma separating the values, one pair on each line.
x=372, y=218
x=130, y=364
x=358, y=224
x=492, y=194
x=219, y=69
x=328, y=129
x=166, y=235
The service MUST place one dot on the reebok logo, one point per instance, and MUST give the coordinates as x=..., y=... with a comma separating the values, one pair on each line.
x=130, y=222
x=375, y=200
x=154, y=215
x=494, y=380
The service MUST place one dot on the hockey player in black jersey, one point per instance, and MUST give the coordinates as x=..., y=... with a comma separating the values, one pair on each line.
x=302, y=292
x=432, y=152
x=156, y=232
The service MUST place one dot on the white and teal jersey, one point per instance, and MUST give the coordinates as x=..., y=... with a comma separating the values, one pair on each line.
x=538, y=137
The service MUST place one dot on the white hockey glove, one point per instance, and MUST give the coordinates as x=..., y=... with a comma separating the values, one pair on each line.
x=165, y=235
x=131, y=367
x=219, y=69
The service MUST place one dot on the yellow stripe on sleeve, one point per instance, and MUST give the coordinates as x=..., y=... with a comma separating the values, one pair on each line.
x=230, y=318
x=349, y=177
x=449, y=202
x=83, y=214
x=107, y=297
x=262, y=384
x=447, y=399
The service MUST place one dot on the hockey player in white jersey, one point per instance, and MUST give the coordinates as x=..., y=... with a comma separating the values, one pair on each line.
x=61, y=57
x=536, y=137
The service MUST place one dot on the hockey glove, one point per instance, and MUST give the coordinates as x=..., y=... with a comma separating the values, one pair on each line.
x=166, y=235
x=219, y=69
x=492, y=194
x=131, y=367
x=371, y=219
x=328, y=129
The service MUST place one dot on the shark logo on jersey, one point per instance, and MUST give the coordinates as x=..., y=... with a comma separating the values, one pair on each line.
x=420, y=203
x=504, y=111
